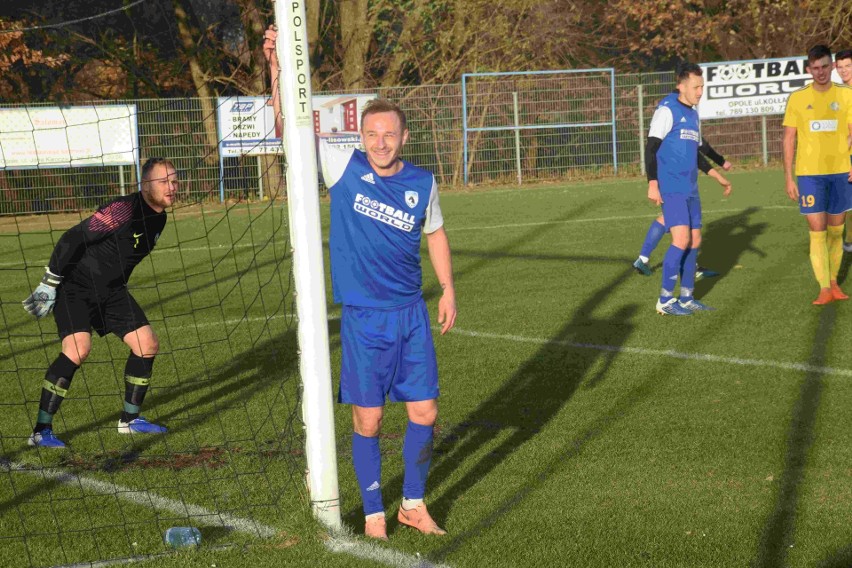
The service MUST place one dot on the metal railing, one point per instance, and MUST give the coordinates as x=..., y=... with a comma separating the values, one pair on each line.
x=184, y=131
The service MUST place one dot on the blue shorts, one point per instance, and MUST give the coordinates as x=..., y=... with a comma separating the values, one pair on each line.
x=387, y=353
x=682, y=209
x=825, y=194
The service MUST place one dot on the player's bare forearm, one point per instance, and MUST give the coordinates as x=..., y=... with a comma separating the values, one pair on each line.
x=723, y=181
x=439, y=255
x=789, y=148
x=270, y=36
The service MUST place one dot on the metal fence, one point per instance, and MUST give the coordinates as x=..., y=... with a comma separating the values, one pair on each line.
x=184, y=130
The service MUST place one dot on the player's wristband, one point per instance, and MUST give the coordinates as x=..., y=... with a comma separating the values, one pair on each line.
x=51, y=279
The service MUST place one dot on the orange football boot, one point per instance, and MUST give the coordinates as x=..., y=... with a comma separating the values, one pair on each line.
x=825, y=297
x=837, y=293
x=376, y=527
x=419, y=518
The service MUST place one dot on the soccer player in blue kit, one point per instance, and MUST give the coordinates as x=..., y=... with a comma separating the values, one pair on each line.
x=380, y=204
x=657, y=229
x=673, y=141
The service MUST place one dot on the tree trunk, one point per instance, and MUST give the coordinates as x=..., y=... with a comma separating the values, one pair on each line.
x=355, y=33
x=272, y=177
x=403, y=54
x=199, y=79
x=312, y=7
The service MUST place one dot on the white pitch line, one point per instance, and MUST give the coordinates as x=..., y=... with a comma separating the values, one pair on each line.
x=451, y=229
x=170, y=250
x=336, y=543
x=670, y=353
x=600, y=219
x=147, y=499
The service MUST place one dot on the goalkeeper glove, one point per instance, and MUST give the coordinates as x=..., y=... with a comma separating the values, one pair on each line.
x=40, y=303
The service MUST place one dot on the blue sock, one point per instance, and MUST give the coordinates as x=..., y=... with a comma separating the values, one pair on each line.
x=368, y=469
x=417, y=455
x=687, y=273
x=671, y=269
x=652, y=239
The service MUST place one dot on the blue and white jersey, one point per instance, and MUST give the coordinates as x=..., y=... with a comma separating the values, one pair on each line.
x=376, y=225
x=677, y=125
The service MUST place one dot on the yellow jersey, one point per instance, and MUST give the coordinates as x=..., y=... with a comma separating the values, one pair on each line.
x=821, y=120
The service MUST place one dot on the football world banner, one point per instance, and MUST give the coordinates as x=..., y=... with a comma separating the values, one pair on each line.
x=752, y=88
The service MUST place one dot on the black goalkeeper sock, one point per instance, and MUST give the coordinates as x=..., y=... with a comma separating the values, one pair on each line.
x=137, y=374
x=54, y=390
x=126, y=417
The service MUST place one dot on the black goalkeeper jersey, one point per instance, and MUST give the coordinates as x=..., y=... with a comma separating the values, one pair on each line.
x=101, y=252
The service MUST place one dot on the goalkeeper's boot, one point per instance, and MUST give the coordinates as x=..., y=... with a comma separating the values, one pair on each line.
x=837, y=293
x=825, y=297
x=140, y=426
x=694, y=305
x=420, y=519
x=672, y=308
x=642, y=267
x=702, y=272
x=847, y=247
x=375, y=526
x=45, y=439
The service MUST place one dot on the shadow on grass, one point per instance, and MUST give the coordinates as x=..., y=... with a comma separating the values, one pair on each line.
x=527, y=401
x=723, y=243
x=839, y=559
x=257, y=372
x=844, y=273
x=778, y=532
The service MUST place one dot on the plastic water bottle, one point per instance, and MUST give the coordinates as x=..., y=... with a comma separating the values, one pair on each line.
x=180, y=537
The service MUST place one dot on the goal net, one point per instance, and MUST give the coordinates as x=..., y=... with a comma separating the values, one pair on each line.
x=218, y=290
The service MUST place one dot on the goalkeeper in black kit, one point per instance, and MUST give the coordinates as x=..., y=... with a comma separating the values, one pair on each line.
x=85, y=286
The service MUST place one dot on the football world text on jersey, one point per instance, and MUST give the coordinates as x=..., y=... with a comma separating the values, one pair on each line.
x=384, y=213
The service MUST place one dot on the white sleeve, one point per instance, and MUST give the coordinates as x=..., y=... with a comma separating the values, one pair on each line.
x=333, y=160
x=662, y=123
x=434, y=218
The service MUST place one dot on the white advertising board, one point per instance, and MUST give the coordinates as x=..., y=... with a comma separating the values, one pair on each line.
x=337, y=121
x=752, y=88
x=246, y=127
x=57, y=137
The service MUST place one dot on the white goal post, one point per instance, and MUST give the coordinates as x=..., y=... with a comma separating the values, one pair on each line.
x=303, y=204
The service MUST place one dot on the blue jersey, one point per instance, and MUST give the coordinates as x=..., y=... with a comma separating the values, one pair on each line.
x=677, y=125
x=376, y=224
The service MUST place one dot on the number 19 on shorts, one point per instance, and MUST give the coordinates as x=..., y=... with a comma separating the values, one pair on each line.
x=808, y=200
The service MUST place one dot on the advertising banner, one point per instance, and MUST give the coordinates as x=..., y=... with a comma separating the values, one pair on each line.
x=752, y=88
x=62, y=137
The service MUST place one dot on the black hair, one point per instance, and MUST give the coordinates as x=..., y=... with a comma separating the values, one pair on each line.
x=817, y=52
x=845, y=54
x=684, y=69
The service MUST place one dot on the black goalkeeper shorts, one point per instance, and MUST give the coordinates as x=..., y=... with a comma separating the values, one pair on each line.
x=81, y=309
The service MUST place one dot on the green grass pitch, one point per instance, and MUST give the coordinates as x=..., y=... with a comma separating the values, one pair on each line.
x=577, y=427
